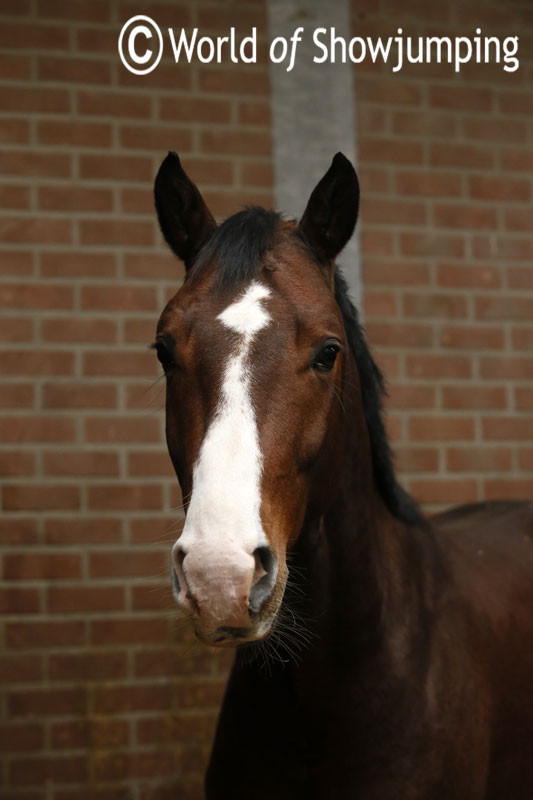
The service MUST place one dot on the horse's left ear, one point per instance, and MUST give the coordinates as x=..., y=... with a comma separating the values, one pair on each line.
x=329, y=219
x=185, y=221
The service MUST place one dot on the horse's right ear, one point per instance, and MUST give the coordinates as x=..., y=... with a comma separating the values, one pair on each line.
x=185, y=221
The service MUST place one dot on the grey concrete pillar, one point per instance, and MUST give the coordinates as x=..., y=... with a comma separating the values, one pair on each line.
x=313, y=113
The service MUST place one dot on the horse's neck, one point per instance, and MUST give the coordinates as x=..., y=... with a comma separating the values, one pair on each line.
x=362, y=567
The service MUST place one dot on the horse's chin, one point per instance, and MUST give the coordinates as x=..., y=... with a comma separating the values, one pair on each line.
x=260, y=629
x=234, y=637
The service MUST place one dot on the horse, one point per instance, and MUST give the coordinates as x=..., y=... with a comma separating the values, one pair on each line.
x=380, y=654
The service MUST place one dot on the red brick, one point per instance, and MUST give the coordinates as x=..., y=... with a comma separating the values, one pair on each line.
x=85, y=599
x=17, y=601
x=14, y=463
x=73, y=70
x=507, y=428
x=461, y=98
x=40, y=498
x=472, y=337
x=35, y=296
x=113, y=104
x=399, y=334
x=13, y=329
x=518, y=219
x=432, y=245
x=153, y=597
x=474, y=397
x=149, y=464
x=12, y=196
x=78, y=394
x=80, y=10
x=394, y=272
x=44, y=634
x=117, y=168
x=197, y=110
x=498, y=129
x=79, y=531
x=14, y=131
x=16, y=395
x=523, y=398
x=21, y=669
x=36, y=429
x=16, y=263
x=393, y=212
x=484, y=187
x=465, y=216
x=455, y=275
x=417, y=459
x=74, y=134
x=146, y=137
x=130, y=564
x=126, y=429
x=18, y=531
x=506, y=367
x=94, y=732
x=153, y=266
x=517, y=160
x=116, y=232
x=236, y=141
x=390, y=151
x=411, y=396
x=16, y=736
x=124, y=497
x=147, y=530
x=167, y=76
x=80, y=463
x=380, y=304
x=513, y=488
x=45, y=769
x=525, y=459
x=444, y=491
x=75, y=264
x=200, y=694
x=193, y=727
x=42, y=566
x=434, y=428
x=461, y=155
x=118, y=298
x=233, y=81
x=428, y=183
x=479, y=459
x=79, y=329
x=124, y=631
x=30, y=100
x=254, y=113
x=423, y=123
x=74, y=198
x=448, y=306
x=520, y=277
x=121, y=363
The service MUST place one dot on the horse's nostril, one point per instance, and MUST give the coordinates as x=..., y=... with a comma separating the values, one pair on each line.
x=265, y=573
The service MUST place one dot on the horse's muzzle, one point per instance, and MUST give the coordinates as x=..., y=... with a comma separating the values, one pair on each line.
x=224, y=593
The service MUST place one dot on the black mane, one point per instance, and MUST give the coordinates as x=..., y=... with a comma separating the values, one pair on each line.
x=397, y=500
x=239, y=245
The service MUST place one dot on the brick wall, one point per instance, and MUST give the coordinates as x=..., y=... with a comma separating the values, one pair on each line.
x=105, y=695
x=447, y=176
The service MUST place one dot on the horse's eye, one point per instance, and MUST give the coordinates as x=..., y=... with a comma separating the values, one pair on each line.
x=164, y=356
x=326, y=357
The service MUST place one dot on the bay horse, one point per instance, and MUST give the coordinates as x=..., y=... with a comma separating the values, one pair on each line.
x=381, y=655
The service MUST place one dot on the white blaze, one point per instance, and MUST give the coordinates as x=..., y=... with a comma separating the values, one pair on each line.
x=223, y=516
